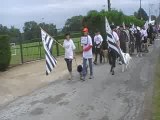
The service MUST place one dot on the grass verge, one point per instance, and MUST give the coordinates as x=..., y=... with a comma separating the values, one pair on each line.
x=156, y=97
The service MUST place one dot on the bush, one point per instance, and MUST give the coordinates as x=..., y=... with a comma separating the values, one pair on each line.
x=5, y=53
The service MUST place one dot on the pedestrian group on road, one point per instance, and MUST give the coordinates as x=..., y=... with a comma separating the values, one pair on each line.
x=128, y=38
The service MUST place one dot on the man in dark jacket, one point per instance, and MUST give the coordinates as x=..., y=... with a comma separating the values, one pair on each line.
x=138, y=42
x=150, y=33
x=123, y=38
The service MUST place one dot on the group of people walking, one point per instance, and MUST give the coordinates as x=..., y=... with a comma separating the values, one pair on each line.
x=127, y=38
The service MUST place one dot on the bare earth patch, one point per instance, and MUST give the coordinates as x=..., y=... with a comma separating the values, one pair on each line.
x=26, y=78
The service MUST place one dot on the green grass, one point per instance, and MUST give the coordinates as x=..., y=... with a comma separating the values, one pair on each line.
x=31, y=51
x=156, y=97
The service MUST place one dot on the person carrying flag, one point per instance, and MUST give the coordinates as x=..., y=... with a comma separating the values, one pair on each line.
x=112, y=53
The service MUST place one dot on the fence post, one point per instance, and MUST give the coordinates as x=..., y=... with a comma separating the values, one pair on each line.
x=78, y=46
x=21, y=49
x=57, y=48
x=40, y=50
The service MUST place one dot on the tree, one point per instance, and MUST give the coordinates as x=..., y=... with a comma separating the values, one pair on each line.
x=141, y=14
x=3, y=30
x=13, y=32
x=49, y=28
x=158, y=19
x=96, y=20
x=153, y=17
x=31, y=30
x=73, y=24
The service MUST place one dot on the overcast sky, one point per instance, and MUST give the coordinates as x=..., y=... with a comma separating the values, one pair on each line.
x=16, y=12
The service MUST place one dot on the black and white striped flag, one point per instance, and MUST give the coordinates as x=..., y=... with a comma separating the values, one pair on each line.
x=47, y=41
x=112, y=42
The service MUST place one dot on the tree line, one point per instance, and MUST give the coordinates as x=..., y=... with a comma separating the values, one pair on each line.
x=93, y=20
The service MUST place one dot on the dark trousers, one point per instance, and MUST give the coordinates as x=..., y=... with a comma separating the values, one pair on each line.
x=69, y=64
x=112, y=58
x=98, y=52
x=138, y=45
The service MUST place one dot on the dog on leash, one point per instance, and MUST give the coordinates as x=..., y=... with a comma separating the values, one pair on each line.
x=127, y=59
x=80, y=70
x=104, y=54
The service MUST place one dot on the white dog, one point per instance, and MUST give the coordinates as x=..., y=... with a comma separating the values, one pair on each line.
x=127, y=59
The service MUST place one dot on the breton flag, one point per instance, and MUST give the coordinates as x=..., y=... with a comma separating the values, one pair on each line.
x=112, y=43
x=146, y=25
x=124, y=26
x=47, y=41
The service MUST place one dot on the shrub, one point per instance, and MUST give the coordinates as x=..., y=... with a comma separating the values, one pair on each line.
x=5, y=53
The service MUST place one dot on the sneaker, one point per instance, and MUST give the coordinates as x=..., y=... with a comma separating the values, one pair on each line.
x=95, y=63
x=91, y=77
x=83, y=78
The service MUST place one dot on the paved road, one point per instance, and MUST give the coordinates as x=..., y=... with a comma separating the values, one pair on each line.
x=106, y=97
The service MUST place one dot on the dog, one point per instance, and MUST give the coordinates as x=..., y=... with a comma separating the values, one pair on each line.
x=80, y=70
x=127, y=59
x=105, y=55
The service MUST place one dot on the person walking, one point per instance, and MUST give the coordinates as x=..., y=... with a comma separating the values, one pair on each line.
x=112, y=55
x=123, y=38
x=86, y=42
x=138, y=42
x=128, y=38
x=144, y=38
x=69, y=53
x=150, y=33
x=132, y=42
x=98, y=42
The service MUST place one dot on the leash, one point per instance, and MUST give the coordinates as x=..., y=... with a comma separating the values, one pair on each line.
x=75, y=61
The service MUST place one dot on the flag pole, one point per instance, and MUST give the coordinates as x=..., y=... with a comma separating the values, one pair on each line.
x=52, y=38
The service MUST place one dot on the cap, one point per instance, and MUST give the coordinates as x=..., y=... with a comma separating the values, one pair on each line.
x=85, y=29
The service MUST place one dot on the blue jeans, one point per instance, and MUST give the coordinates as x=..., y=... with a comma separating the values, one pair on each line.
x=85, y=65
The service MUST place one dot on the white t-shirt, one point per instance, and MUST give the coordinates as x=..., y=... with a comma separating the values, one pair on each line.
x=98, y=39
x=144, y=33
x=116, y=37
x=69, y=47
x=88, y=54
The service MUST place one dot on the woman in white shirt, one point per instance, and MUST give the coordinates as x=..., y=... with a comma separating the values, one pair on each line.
x=69, y=53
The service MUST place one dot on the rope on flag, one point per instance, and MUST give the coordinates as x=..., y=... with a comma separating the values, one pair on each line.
x=112, y=43
x=47, y=41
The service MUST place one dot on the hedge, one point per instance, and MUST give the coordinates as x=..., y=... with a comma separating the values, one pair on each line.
x=5, y=52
